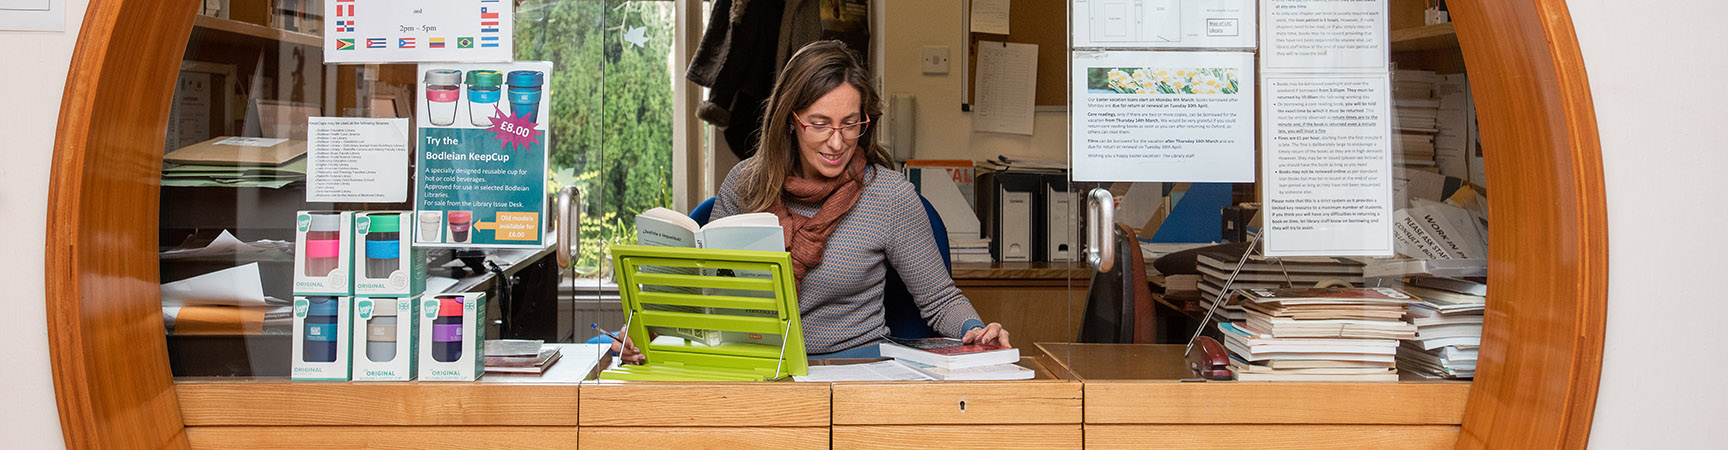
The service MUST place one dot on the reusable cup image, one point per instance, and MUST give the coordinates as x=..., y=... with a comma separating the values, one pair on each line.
x=381, y=331
x=485, y=88
x=443, y=89
x=447, y=329
x=323, y=244
x=525, y=94
x=320, y=335
x=383, y=249
x=460, y=221
x=431, y=226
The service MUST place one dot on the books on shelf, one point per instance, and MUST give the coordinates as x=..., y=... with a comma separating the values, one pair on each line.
x=1319, y=334
x=969, y=250
x=1448, y=333
x=948, y=353
x=1259, y=272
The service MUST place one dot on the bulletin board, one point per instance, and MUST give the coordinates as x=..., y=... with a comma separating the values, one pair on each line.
x=1044, y=23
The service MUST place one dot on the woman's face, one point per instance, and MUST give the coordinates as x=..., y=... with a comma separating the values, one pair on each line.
x=824, y=152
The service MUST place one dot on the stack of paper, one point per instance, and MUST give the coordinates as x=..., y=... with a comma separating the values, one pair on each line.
x=1334, y=334
x=1258, y=272
x=1448, y=332
x=1418, y=115
x=520, y=356
x=236, y=162
x=973, y=250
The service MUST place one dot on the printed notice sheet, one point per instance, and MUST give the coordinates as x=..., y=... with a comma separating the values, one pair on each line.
x=1163, y=23
x=418, y=31
x=1323, y=35
x=357, y=160
x=1327, y=165
x=1007, y=80
x=989, y=16
x=1162, y=116
x=483, y=147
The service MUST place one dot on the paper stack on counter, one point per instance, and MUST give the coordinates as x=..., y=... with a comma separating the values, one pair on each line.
x=1333, y=334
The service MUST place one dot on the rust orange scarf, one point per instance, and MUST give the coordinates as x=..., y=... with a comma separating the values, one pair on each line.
x=807, y=236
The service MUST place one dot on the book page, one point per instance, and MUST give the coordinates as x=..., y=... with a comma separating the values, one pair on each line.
x=891, y=370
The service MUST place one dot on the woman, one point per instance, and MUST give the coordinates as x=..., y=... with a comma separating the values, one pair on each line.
x=847, y=215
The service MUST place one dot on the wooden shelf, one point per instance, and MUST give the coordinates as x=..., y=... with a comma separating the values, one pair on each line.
x=233, y=29
x=1430, y=37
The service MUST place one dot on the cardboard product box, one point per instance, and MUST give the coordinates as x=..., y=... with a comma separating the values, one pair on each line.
x=321, y=338
x=385, y=345
x=323, y=258
x=452, y=337
x=386, y=263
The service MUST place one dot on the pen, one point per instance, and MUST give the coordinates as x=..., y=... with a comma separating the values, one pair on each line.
x=609, y=334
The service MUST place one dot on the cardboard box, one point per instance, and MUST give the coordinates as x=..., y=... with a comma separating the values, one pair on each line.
x=385, y=345
x=323, y=266
x=386, y=263
x=453, y=337
x=321, y=338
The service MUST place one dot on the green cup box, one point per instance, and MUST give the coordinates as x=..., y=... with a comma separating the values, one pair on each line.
x=323, y=267
x=400, y=337
x=409, y=276
x=305, y=364
x=472, y=362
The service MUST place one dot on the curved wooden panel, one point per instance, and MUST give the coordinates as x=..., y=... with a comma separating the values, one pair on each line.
x=1542, y=340
x=110, y=363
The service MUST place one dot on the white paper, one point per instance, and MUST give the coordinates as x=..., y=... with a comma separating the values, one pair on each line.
x=1007, y=81
x=1163, y=116
x=989, y=16
x=354, y=159
x=1327, y=165
x=418, y=31
x=891, y=370
x=251, y=141
x=33, y=15
x=234, y=286
x=226, y=244
x=1323, y=35
x=1452, y=142
x=1214, y=24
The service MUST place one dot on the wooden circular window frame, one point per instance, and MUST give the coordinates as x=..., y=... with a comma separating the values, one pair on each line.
x=1541, y=355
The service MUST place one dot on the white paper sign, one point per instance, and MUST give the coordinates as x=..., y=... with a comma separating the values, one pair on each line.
x=1007, y=81
x=1162, y=116
x=989, y=16
x=362, y=160
x=418, y=31
x=1163, y=23
x=1324, y=35
x=1327, y=165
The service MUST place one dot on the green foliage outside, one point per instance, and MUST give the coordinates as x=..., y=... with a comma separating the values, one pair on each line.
x=611, y=116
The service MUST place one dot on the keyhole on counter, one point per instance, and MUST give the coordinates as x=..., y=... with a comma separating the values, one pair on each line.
x=962, y=406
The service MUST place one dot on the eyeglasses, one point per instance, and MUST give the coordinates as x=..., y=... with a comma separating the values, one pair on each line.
x=823, y=132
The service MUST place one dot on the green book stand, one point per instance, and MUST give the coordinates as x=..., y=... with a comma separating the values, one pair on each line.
x=685, y=289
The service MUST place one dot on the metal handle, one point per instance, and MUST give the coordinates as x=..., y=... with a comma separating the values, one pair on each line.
x=1100, y=230
x=569, y=221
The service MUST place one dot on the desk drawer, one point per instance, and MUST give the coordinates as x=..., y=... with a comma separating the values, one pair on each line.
x=957, y=436
x=1438, y=403
x=374, y=437
x=706, y=405
x=705, y=437
x=1272, y=437
x=928, y=403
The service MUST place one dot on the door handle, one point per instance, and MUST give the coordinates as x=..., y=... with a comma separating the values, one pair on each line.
x=1100, y=233
x=569, y=222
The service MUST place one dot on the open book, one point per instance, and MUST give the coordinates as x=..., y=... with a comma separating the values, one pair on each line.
x=755, y=231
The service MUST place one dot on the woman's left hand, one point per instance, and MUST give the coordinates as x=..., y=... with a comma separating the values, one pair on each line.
x=990, y=334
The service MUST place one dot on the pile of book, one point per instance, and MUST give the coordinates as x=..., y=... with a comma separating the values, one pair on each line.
x=1418, y=114
x=1330, y=334
x=1448, y=323
x=950, y=359
x=1258, y=272
x=969, y=250
x=519, y=356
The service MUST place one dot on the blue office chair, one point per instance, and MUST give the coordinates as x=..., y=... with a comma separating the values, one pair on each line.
x=900, y=312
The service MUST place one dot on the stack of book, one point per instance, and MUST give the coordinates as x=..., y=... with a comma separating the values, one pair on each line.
x=228, y=161
x=1215, y=267
x=973, y=250
x=1332, y=334
x=1448, y=327
x=520, y=356
x=950, y=359
x=1418, y=115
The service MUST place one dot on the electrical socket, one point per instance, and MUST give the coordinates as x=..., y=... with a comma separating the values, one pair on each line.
x=935, y=60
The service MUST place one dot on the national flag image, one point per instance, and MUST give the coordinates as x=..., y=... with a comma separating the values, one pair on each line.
x=487, y=15
x=345, y=10
x=377, y=43
x=345, y=26
x=404, y=42
x=489, y=41
x=344, y=44
x=464, y=42
x=434, y=42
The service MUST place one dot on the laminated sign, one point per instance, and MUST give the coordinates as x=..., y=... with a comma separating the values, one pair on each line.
x=481, y=172
x=418, y=31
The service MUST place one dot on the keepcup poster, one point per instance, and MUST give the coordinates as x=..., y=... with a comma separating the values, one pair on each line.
x=417, y=30
x=481, y=174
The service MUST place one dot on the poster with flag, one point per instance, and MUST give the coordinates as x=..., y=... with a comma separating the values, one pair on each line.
x=385, y=31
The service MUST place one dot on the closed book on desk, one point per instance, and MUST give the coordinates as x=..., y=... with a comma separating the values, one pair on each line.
x=948, y=353
x=995, y=372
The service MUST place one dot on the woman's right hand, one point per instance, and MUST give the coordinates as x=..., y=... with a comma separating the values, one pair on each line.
x=627, y=352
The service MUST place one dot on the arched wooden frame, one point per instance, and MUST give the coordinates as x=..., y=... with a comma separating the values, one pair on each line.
x=1541, y=355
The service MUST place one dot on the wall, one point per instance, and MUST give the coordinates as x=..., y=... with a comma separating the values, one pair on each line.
x=28, y=416
x=943, y=131
x=1655, y=72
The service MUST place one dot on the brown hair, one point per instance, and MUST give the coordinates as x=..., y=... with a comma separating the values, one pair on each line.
x=812, y=72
